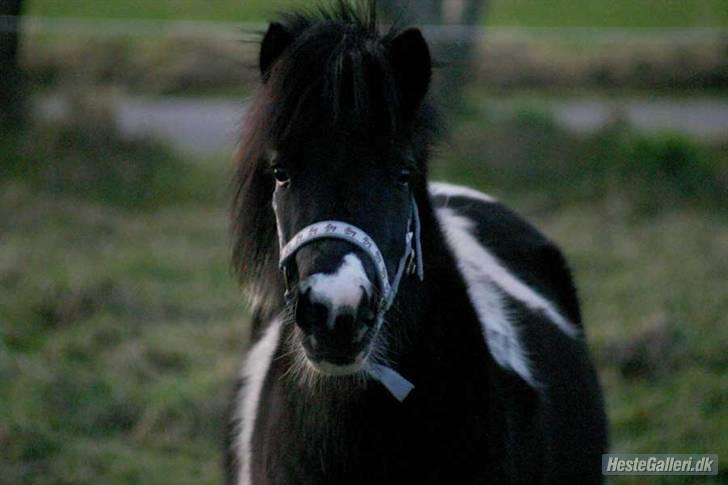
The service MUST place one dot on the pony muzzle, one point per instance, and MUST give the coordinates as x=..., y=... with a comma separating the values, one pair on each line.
x=339, y=310
x=337, y=316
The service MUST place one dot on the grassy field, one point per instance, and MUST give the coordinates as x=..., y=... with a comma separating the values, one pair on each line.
x=531, y=13
x=121, y=328
x=157, y=60
x=121, y=333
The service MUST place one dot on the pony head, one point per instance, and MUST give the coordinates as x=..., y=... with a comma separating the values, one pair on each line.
x=331, y=163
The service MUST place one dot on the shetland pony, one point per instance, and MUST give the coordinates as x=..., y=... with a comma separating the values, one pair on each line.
x=403, y=331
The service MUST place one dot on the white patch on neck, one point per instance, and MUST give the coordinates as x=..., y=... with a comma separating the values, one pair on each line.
x=450, y=190
x=486, y=279
x=341, y=289
x=254, y=371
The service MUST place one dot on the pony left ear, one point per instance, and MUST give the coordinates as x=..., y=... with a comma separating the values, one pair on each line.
x=276, y=40
x=412, y=66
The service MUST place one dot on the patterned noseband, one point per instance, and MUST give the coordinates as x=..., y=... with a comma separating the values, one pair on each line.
x=411, y=260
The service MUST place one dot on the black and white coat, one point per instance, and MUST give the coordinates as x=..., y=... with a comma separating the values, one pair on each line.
x=492, y=340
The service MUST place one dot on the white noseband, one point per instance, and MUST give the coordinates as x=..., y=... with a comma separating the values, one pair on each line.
x=412, y=256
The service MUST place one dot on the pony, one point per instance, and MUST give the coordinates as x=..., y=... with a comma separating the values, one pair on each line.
x=403, y=331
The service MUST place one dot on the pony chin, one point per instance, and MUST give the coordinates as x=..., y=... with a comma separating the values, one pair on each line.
x=329, y=369
x=320, y=375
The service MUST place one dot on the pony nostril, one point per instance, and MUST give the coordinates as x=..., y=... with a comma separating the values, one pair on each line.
x=309, y=313
x=345, y=323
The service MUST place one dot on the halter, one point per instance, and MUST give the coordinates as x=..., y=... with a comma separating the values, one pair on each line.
x=411, y=261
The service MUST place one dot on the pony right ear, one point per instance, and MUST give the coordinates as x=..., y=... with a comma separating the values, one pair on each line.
x=276, y=40
x=412, y=65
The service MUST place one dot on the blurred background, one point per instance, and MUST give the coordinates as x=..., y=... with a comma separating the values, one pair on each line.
x=121, y=327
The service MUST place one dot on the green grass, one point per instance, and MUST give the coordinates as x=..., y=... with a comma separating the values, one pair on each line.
x=120, y=337
x=161, y=61
x=85, y=155
x=529, y=154
x=611, y=13
x=531, y=13
x=216, y=10
x=121, y=328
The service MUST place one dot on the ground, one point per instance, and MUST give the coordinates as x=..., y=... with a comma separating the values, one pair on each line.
x=121, y=326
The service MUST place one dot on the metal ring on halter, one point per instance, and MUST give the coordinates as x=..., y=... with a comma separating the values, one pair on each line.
x=412, y=256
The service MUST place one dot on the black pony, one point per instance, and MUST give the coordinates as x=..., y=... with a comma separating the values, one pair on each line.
x=403, y=331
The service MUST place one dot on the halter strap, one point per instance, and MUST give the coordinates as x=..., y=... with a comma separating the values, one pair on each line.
x=411, y=259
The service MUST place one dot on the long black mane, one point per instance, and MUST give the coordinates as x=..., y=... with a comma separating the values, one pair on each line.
x=336, y=74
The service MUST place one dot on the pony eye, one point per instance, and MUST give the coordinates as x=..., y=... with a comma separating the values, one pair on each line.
x=404, y=177
x=281, y=175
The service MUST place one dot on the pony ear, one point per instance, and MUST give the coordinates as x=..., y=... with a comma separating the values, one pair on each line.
x=275, y=41
x=412, y=66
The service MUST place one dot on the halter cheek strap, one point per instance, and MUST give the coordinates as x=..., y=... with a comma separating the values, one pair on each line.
x=411, y=261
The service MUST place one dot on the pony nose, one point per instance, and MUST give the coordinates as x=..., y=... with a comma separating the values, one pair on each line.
x=334, y=328
x=335, y=334
x=335, y=305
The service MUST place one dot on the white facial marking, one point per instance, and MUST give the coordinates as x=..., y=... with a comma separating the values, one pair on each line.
x=344, y=288
x=254, y=371
x=486, y=280
x=450, y=190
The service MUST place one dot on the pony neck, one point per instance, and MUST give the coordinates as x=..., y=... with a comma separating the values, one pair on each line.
x=425, y=313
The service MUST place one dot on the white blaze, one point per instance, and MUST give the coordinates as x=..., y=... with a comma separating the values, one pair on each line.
x=344, y=288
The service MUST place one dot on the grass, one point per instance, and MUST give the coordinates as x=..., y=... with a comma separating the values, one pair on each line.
x=121, y=328
x=218, y=10
x=530, y=13
x=614, y=13
x=121, y=334
x=163, y=62
x=85, y=155
x=532, y=156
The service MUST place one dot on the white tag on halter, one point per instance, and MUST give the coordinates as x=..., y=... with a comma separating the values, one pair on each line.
x=392, y=380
